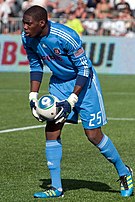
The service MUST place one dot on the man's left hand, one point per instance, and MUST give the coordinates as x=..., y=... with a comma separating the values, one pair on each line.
x=66, y=107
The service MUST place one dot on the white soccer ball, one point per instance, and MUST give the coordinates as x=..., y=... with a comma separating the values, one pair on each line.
x=46, y=107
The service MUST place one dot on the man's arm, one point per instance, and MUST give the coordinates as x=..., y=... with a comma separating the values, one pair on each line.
x=77, y=90
x=34, y=86
x=80, y=83
x=33, y=97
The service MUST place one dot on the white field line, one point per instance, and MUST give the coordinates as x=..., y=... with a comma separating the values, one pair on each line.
x=42, y=126
x=21, y=129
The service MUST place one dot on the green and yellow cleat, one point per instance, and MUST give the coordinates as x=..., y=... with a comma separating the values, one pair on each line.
x=51, y=192
x=126, y=184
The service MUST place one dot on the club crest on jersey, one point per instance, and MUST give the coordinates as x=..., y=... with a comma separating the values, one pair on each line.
x=56, y=51
x=79, y=52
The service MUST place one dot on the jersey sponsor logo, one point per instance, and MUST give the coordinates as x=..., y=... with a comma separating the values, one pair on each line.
x=56, y=51
x=79, y=52
x=51, y=57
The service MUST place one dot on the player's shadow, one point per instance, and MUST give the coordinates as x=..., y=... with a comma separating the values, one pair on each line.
x=72, y=184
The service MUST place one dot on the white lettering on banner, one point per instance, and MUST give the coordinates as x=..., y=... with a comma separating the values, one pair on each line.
x=108, y=54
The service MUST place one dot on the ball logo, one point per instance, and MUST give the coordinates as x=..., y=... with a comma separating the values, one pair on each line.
x=47, y=107
x=45, y=101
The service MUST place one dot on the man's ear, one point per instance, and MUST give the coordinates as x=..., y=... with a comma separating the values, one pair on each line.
x=42, y=24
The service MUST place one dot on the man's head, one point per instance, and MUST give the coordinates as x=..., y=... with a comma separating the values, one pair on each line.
x=35, y=21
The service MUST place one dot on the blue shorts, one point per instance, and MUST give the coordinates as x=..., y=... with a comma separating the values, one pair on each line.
x=90, y=105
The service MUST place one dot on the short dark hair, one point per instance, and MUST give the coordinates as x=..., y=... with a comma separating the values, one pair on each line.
x=37, y=12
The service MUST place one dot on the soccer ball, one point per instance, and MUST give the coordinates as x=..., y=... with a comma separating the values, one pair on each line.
x=46, y=107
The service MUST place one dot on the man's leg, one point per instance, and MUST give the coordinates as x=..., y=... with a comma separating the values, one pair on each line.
x=107, y=148
x=53, y=156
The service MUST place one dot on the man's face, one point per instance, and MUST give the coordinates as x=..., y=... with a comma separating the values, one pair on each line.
x=31, y=27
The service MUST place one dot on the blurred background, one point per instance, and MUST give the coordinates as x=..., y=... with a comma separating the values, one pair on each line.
x=87, y=17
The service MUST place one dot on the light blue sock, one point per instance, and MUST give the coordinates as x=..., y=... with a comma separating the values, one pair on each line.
x=110, y=152
x=53, y=156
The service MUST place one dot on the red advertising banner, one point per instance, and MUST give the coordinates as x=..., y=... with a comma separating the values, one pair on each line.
x=108, y=54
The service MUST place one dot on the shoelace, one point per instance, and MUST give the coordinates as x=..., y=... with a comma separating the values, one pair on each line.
x=123, y=181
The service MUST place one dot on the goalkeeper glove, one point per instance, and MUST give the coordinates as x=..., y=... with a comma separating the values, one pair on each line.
x=66, y=107
x=33, y=104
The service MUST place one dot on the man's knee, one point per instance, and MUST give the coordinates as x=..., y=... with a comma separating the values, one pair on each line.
x=94, y=135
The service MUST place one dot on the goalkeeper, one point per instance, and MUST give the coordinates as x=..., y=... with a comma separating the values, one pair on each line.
x=75, y=83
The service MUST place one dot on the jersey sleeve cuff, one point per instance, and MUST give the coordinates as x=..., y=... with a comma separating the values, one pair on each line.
x=36, y=76
x=81, y=80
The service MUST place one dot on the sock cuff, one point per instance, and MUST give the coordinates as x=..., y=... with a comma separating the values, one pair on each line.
x=103, y=142
x=52, y=143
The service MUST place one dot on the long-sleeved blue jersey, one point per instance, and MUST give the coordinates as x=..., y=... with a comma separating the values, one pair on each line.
x=61, y=50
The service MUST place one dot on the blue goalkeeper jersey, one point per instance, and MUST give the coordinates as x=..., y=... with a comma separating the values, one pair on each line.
x=61, y=50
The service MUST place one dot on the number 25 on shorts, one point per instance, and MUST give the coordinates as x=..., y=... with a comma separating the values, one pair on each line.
x=95, y=119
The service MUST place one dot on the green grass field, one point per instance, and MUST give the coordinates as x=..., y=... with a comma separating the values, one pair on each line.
x=86, y=175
